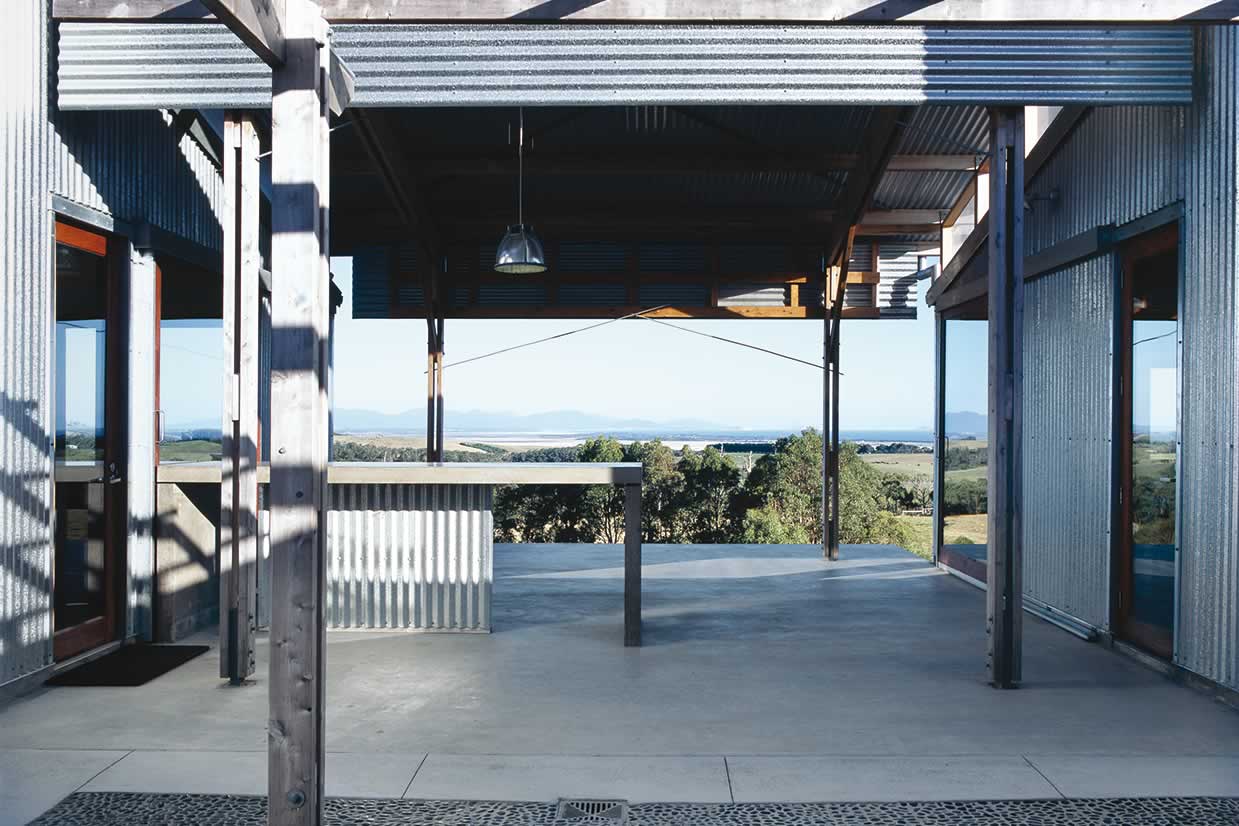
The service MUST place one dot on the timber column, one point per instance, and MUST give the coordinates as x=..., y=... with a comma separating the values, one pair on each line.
x=1004, y=597
x=238, y=527
x=300, y=163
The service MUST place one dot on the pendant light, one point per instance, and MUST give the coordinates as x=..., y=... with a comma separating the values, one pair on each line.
x=520, y=251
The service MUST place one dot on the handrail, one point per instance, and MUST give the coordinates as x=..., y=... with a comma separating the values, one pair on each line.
x=432, y=473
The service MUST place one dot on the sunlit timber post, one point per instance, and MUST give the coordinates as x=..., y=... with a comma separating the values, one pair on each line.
x=300, y=306
x=1004, y=608
x=830, y=431
x=827, y=291
x=434, y=369
x=238, y=570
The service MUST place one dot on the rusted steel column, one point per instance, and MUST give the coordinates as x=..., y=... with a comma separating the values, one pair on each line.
x=1004, y=599
x=300, y=163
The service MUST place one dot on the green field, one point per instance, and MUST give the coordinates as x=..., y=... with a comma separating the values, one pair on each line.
x=191, y=450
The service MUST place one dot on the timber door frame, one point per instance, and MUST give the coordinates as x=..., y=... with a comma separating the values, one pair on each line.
x=93, y=633
x=1123, y=626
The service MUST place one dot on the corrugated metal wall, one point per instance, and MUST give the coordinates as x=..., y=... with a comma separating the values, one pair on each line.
x=133, y=166
x=410, y=556
x=1208, y=625
x=402, y=64
x=1068, y=375
x=25, y=346
x=898, y=264
x=1119, y=164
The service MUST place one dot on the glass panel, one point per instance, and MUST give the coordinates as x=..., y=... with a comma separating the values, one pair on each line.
x=81, y=360
x=191, y=393
x=80, y=553
x=965, y=457
x=1154, y=432
x=81, y=333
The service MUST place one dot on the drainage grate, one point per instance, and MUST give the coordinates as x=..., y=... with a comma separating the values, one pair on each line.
x=592, y=811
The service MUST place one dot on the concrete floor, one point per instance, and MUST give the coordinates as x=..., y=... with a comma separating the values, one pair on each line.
x=766, y=673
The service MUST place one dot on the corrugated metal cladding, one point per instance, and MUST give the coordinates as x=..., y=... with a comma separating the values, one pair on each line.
x=1068, y=375
x=1119, y=165
x=133, y=166
x=1208, y=625
x=410, y=556
x=1094, y=173
x=202, y=66
x=897, y=290
x=946, y=130
x=25, y=347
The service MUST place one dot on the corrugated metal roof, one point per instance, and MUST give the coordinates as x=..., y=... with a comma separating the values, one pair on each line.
x=203, y=66
x=946, y=130
x=930, y=189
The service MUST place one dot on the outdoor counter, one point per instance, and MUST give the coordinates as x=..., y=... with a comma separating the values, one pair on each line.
x=410, y=545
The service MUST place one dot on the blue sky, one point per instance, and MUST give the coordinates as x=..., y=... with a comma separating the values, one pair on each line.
x=628, y=369
x=639, y=369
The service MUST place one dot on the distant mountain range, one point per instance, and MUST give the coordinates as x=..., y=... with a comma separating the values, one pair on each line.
x=563, y=422
x=483, y=421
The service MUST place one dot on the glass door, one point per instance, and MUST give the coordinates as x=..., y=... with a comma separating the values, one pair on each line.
x=1145, y=555
x=87, y=460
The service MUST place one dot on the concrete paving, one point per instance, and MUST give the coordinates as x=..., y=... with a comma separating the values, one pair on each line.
x=751, y=652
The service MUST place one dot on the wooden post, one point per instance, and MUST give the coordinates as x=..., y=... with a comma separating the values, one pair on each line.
x=833, y=551
x=830, y=446
x=439, y=418
x=827, y=293
x=300, y=164
x=632, y=565
x=432, y=375
x=1004, y=598
x=239, y=478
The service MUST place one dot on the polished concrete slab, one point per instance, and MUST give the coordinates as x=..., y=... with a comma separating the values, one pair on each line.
x=245, y=772
x=546, y=777
x=32, y=780
x=1140, y=776
x=751, y=651
x=812, y=779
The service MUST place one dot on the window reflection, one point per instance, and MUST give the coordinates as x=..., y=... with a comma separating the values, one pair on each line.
x=965, y=455
x=191, y=371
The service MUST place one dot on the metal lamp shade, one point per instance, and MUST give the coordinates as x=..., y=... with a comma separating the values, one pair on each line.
x=520, y=252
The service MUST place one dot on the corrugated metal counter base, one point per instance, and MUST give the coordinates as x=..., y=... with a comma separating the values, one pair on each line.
x=134, y=809
x=416, y=557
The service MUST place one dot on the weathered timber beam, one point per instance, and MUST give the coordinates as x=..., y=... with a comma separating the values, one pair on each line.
x=258, y=23
x=603, y=312
x=881, y=136
x=865, y=230
x=711, y=11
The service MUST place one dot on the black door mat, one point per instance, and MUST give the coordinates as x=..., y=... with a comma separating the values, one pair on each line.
x=136, y=809
x=129, y=666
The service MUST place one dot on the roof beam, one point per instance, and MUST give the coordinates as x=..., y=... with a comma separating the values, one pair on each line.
x=628, y=160
x=708, y=11
x=382, y=142
x=258, y=23
x=881, y=137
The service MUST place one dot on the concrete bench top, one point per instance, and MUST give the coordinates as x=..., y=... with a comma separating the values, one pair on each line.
x=428, y=473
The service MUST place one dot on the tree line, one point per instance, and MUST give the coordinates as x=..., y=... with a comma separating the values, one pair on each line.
x=702, y=496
